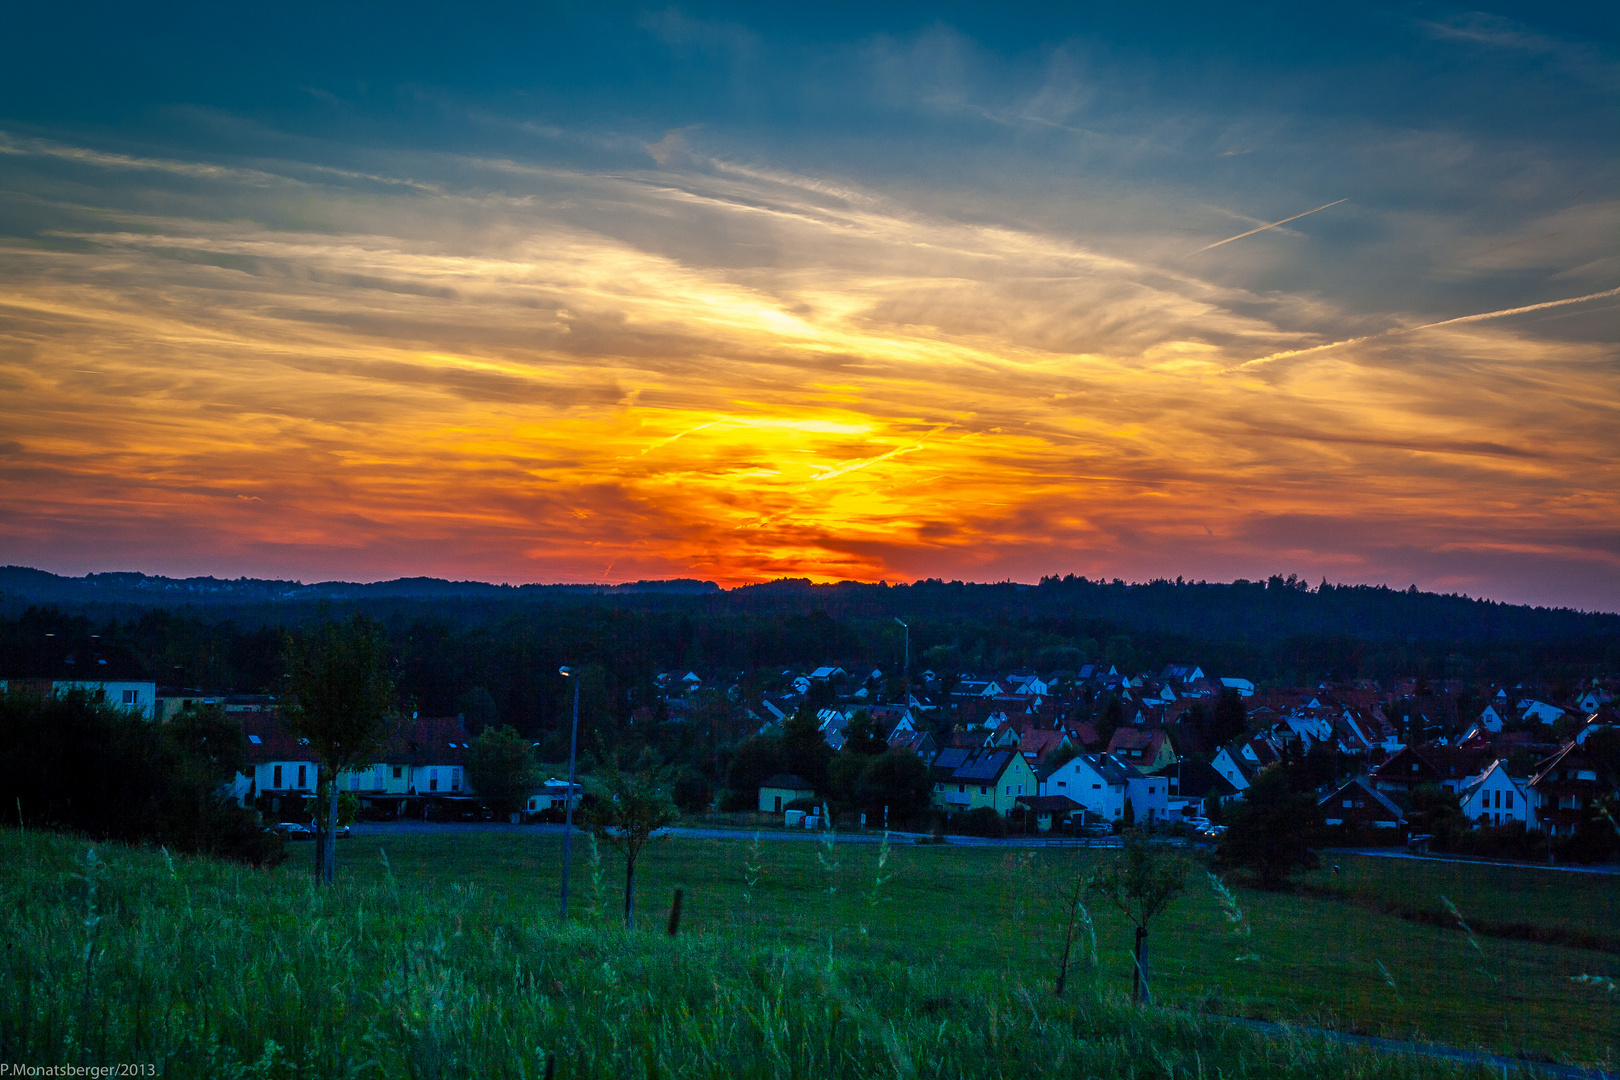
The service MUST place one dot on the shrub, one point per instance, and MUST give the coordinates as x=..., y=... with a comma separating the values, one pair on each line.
x=980, y=821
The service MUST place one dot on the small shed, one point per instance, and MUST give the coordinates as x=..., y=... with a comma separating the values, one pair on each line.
x=781, y=790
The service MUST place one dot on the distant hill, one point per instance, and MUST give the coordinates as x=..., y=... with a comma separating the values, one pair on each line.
x=1241, y=610
x=38, y=586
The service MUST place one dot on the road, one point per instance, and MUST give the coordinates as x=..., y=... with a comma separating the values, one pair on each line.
x=428, y=828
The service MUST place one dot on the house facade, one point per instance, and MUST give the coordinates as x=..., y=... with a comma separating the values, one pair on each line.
x=1495, y=798
x=993, y=778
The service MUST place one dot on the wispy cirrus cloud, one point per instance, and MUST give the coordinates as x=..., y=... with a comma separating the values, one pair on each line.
x=720, y=367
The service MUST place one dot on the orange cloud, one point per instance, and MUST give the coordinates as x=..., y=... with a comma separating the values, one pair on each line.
x=739, y=375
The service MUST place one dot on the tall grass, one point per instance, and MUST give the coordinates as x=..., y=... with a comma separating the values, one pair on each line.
x=264, y=975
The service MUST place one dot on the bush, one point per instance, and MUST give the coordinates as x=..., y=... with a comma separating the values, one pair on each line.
x=692, y=793
x=980, y=821
x=75, y=764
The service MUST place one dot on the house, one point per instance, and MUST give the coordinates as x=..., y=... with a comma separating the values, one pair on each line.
x=1098, y=782
x=1413, y=766
x=920, y=743
x=423, y=756
x=781, y=791
x=993, y=778
x=553, y=795
x=171, y=703
x=1190, y=784
x=1235, y=768
x=1244, y=687
x=1540, y=710
x=1182, y=673
x=1495, y=798
x=138, y=697
x=1564, y=787
x=278, y=765
x=1049, y=810
x=1358, y=803
x=1040, y=745
x=826, y=673
x=1146, y=748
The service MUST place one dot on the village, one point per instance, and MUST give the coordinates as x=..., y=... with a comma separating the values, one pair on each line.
x=1085, y=752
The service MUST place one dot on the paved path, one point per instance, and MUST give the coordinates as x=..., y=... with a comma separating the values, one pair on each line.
x=1396, y=853
x=1510, y=1066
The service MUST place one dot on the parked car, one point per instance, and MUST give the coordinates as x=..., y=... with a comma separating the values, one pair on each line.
x=296, y=830
x=1100, y=828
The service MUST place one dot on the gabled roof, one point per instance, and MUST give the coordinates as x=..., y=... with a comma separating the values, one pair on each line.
x=1363, y=788
x=788, y=782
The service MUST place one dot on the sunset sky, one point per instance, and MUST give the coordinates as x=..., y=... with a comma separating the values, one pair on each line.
x=601, y=293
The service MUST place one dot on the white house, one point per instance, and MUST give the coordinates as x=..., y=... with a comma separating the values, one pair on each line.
x=1244, y=687
x=1495, y=798
x=1102, y=784
x=139, y=697
x=1237, y=770
x=1491, y=719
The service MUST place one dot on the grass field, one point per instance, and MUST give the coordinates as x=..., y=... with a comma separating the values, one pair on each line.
x=447, y=960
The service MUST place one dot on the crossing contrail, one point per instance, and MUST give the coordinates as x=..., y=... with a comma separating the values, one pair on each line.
x=1263, y=228
x=1482, y=316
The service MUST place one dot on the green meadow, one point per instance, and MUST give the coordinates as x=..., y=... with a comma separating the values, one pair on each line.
x=441, y=955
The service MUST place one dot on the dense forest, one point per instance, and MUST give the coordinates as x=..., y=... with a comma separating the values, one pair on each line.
x=492, y=652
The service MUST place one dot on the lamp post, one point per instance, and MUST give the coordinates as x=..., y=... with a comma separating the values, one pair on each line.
x=902, y=622
x=568, y=804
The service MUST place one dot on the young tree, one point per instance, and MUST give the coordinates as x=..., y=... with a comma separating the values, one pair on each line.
x=635, y=808
x=1141, y=882
x=1270, y=830
x=897, y=780
x=340, y=698
x=804, y=749
x=501, y=768
x=861, y=735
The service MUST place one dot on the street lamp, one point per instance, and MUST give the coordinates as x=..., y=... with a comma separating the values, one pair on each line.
x=902, y=622
x=568, y=804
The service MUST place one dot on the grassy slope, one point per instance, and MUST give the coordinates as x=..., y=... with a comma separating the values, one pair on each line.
x=989, y=911
x=452, y=965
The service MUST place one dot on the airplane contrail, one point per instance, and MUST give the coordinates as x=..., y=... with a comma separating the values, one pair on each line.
x=1286, y=354
x=1263, y=228
x=682, y=435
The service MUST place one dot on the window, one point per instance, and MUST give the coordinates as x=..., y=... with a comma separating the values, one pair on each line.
x=254, y=739
x=277, y=782
x=398, y=771
x=984, y=789
x=1414, y=766
x=129, y=697
x=301, y=777
x=433, y=779
x=1347, y=804
x=455, y=779
x=1096, y=787
x=1510, y=800
x=1063, y=783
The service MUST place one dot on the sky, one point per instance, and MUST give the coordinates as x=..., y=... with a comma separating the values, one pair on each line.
x=583, y=293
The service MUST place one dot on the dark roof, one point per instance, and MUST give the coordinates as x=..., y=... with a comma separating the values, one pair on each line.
x=986, y=767
x=1361, y=785
x=1196, y=780
x=951, y=758
x=269, y=740
x=789, y=782
x=1055, y=804
x=433, y=740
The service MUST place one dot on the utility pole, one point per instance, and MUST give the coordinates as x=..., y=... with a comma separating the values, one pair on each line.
x=568, y=805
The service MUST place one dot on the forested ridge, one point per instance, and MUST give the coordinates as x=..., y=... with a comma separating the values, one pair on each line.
x=494, y=651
